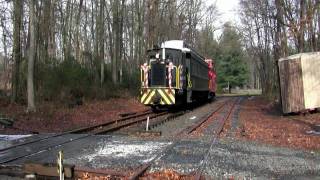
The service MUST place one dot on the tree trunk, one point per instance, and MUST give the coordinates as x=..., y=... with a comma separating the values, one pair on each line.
x=52, y=39
x=121, y=46
x=17, y=12
x=70, y=24
x=31, y=53
x=152, y=22
x=78, y=32
x=136, y=34
x=4, y=43
x=132, y=64
x=101, y=41
x=67, y=19
x=302, y=26
x=115, y=32
x=278, y=44
x=318, y=40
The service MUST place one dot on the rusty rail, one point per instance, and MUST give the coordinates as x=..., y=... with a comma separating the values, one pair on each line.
x=122, y=123
x=89, y=128
x=80, y=170
x=76, y=130
x=216, y=134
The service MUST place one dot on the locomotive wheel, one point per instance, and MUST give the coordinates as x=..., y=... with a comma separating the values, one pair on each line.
x=211, y=96
x=155, y=109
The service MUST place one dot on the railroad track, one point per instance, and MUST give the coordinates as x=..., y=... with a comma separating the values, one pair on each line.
x=131, y=119
x=118, y=123
x=18, y=151
x=193, y=127
x=187, y=131
x=214, y=140
x=82, y=130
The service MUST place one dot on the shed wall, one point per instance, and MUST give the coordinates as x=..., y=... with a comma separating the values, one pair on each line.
x=291, y=84
x=310, y=65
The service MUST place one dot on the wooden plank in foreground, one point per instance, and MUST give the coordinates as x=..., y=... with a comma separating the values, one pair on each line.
x=47, y=169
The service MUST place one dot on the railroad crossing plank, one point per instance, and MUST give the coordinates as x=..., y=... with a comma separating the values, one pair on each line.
x=8, y=141
x=29, y=149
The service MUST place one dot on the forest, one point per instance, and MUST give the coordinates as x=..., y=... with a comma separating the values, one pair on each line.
x=60, y=50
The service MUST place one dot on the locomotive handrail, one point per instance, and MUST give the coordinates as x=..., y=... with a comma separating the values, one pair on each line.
x=143, y=77
x=177, y=73
x=177, y=85
x=189, y=81
x=177, y=77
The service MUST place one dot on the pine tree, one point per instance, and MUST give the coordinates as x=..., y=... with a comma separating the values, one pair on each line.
x=231, y=65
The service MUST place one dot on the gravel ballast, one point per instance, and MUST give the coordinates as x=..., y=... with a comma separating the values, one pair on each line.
x=240, y=159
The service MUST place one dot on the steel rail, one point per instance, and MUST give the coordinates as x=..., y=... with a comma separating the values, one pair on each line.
x=216, y=134
x=125, y=124
x=83, y=129
x=169, y=118
x=87, y=129
x=205, y=118
x=82, y=137
x=80, y=170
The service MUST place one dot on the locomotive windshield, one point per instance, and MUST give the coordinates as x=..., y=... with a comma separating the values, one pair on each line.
x=158, y=75
x=172, y=55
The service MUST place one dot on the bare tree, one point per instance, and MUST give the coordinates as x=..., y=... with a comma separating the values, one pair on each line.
x=4, y=41
x=271, y=28
x=31, y=58
x=17, y=12
x=93, y=35
x=116, y=40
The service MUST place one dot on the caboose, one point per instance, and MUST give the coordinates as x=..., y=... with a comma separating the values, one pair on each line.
x=176, y=74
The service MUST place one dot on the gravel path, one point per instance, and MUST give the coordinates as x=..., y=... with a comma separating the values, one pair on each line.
x=248, y=160
x=239, y=159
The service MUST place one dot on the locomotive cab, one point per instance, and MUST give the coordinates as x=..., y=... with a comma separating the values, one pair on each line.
x=175, y=74
x=160, y=78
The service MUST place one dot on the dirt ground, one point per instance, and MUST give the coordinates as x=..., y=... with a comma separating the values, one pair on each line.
x=51, y=117
x=263, y=121
x=259, y=120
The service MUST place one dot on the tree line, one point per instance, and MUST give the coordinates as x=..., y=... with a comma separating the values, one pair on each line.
x=73, y=48
x=90, y=47
x=272, y=29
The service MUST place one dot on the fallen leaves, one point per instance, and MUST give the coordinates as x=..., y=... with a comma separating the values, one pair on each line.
x=51, y=117
x=263, y=122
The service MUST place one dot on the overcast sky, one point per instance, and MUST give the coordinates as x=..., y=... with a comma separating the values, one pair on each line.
x=227, y=10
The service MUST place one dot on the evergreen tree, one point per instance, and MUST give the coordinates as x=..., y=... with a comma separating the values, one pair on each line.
x=231, y=65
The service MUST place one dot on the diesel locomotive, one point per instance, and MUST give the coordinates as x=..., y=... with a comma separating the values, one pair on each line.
x=176, y=74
